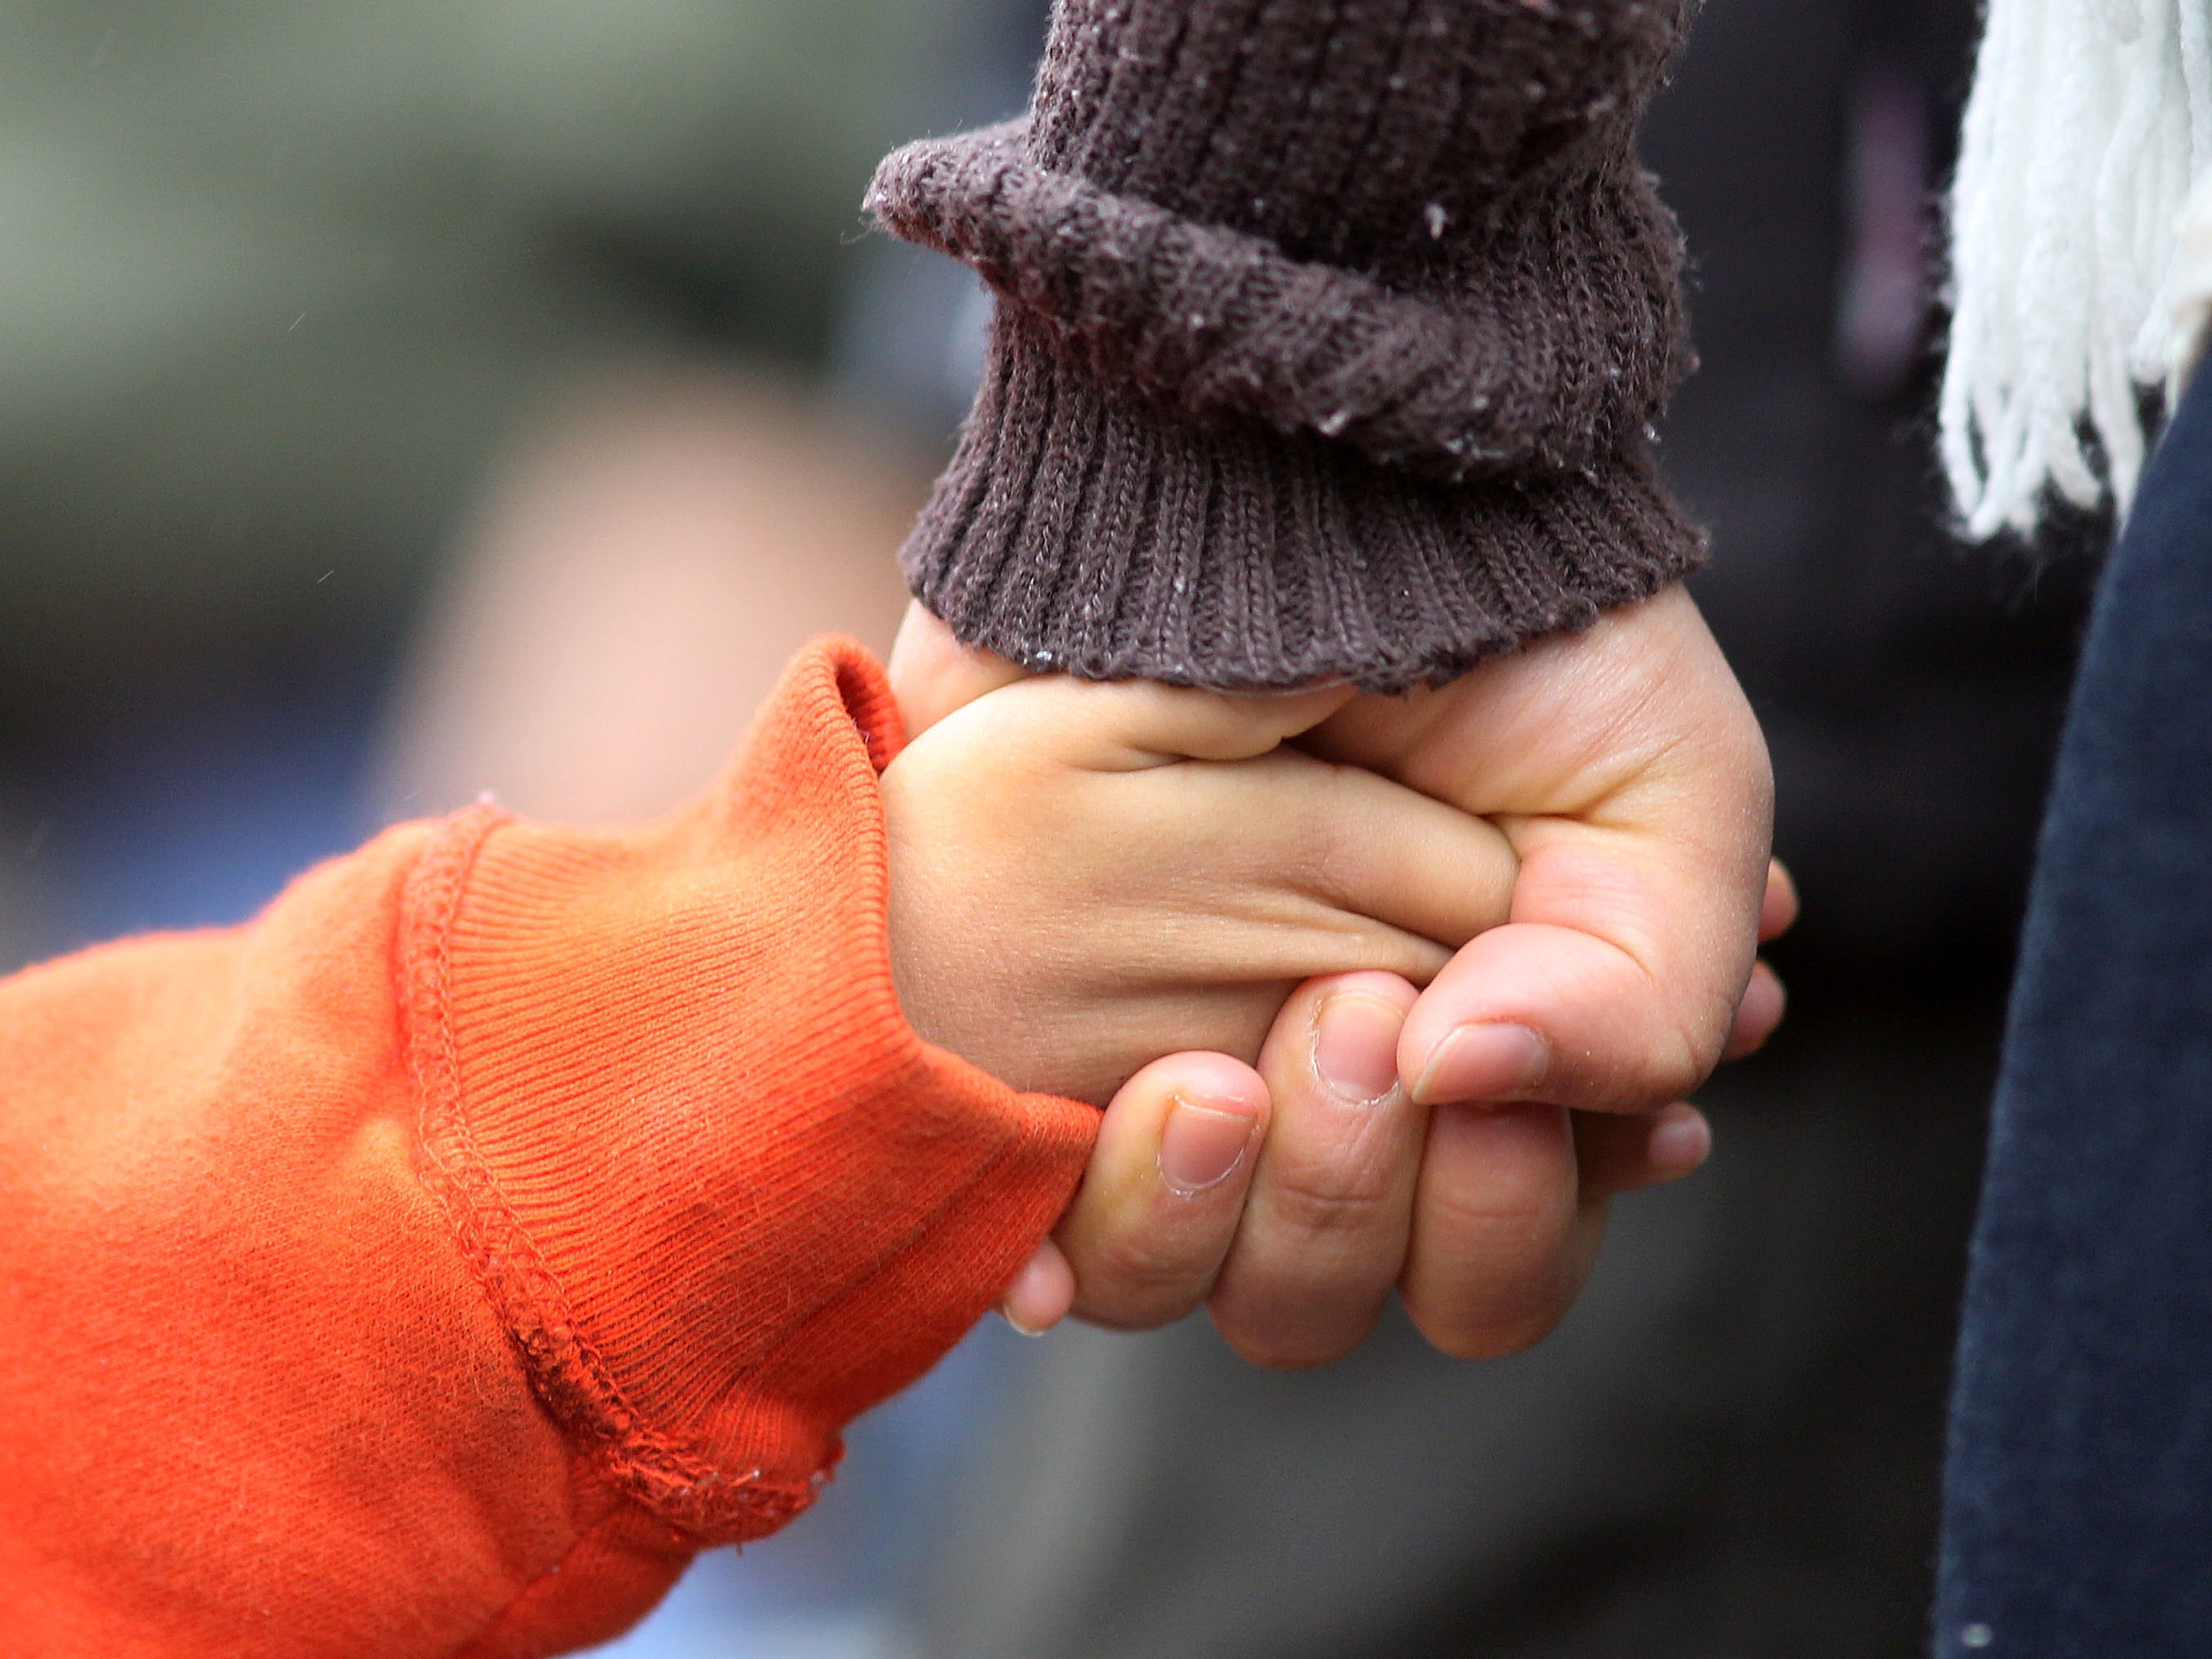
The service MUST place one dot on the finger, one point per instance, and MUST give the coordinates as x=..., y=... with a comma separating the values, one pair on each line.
x=1137, y=723
x=1777, y=907
x=1613, y=987
x=1324, y=1231
x=933, y=674
x=1128, y=726
x=1759, y=1014
x=1616, y=1153
x=1499, y=1242
x=1356, y=843
x=1042, y=1293
x=1626, y=768
x=1159, y=1203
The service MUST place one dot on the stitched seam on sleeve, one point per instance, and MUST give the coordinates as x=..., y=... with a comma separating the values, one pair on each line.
x=674, y=1481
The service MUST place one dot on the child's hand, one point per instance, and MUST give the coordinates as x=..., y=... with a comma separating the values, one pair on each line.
x=1085, y=877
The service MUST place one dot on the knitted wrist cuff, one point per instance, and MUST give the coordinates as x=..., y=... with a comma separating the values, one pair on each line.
x=1328, y=336
x=1482, y=377
x=1077, y=529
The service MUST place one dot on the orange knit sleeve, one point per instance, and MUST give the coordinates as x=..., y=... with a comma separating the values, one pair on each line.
x=431, y=1265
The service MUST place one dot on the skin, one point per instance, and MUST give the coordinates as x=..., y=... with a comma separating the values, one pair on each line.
x=1537, y=1073
x=1205, y=867
x=709, y=465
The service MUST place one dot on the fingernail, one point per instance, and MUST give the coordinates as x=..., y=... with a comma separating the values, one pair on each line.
x=1033, y=1303
x=1681, y=1140
x=1483, y=1062
x=1356, y=1047
x=1202, y=1145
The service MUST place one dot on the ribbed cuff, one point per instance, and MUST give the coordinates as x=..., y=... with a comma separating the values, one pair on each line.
x=1473, y=374
x=723, y=1196
x=1079, y=529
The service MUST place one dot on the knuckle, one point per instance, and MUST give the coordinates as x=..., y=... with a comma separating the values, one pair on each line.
x=1276, y=1343
x=1508, y=1283
x=1313, y=861
x=1500, y=1313
x=1675, y=1071
x=1668, y=1064
x=1502, y=1225
x=1129, y=1279
x=1696, y=1046
x=1488, y=1335
x=1309, y=1198
x=1324, y=846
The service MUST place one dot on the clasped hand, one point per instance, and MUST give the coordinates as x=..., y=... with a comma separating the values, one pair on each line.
x=1379, y=993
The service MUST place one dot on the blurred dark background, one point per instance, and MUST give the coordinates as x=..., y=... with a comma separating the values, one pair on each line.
x=290, y=297
x=398, y=401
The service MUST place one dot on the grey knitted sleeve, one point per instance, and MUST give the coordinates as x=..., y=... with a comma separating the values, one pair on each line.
x=1327, y=339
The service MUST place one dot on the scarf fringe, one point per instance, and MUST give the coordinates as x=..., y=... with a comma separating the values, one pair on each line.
x=2087, y=121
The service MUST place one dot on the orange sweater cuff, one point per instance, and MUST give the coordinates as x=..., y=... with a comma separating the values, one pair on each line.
x=723, y=1197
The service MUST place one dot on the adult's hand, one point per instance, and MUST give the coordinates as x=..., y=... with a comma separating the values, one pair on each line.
x=1292, y=1197
x=1625, y=770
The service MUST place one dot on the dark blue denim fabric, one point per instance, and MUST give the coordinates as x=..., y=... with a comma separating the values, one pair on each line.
x=2078, y=1498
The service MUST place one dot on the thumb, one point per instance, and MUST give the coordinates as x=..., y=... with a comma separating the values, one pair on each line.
x=933, y=674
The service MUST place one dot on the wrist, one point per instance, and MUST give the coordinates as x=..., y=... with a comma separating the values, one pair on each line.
x=722, y=1196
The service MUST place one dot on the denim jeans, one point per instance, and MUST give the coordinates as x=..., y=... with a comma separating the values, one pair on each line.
x=2078, y=1494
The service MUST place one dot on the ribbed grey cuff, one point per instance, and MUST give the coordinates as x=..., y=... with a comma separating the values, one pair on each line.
x=1482, y=374
x=1081, y=529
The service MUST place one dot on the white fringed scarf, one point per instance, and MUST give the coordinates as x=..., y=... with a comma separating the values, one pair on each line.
x=2088, y=123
